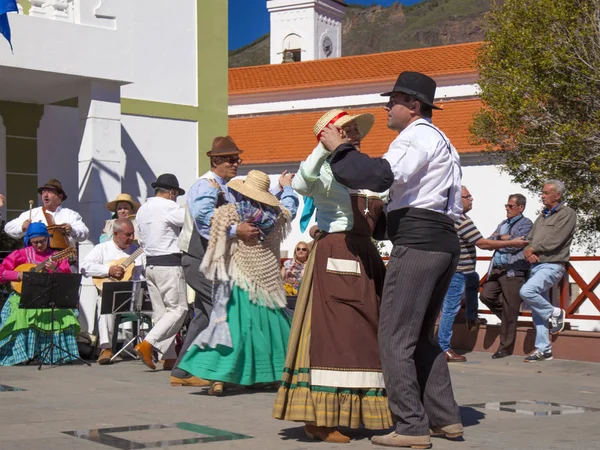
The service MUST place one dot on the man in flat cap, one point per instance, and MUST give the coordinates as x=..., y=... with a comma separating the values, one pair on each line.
x=422, y=171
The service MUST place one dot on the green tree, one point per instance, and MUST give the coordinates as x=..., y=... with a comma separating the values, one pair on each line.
x=540, y=84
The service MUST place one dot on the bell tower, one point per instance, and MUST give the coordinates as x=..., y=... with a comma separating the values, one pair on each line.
x=305, y=30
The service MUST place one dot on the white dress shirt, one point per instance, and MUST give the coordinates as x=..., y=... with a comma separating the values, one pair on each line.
x=62, y=215
x=96, y=263
x=159, y=222
x=426, y=168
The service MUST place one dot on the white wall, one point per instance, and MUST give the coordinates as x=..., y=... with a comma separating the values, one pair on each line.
x=164, y=52
x=155, y=146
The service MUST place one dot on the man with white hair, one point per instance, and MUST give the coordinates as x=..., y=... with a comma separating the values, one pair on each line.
x=548, y=253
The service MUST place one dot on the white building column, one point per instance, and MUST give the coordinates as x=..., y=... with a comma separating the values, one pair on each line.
x=100, y=170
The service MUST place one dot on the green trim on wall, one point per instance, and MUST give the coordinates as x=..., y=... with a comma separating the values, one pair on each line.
x=21, y=155
x=69, y=102
x=26, y=6
x=158, y=109
x=21, y=119
x=19, y=190
x=211, y=31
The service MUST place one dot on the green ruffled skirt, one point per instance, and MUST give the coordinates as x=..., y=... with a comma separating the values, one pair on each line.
x=260, y=338
x=25, y=333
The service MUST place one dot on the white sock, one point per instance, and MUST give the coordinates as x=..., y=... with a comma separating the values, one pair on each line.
x=556, y=312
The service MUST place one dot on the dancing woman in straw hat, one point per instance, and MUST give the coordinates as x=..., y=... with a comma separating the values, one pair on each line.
x=247, y=336
x=332, y=375
x=123, y=207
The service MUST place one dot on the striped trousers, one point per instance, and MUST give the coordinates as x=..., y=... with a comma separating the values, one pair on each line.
x=415, y=370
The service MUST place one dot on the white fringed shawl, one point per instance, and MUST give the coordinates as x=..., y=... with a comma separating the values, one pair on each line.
x=252, y=267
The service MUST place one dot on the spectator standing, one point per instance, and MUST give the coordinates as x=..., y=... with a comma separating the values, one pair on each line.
x=548, y=254
x=507, y=274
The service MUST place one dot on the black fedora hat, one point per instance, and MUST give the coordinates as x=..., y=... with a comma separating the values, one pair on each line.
x=419, y=85
x=168, y=181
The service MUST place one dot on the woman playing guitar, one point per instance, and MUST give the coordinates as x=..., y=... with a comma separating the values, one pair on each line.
x=24, y=332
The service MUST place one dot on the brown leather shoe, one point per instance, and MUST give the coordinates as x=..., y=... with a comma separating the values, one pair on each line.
x=325, y=434
x=105, y=357
x=452, y=431
x=475, y=323
x=399, y=440
x=168, y=364
x=144, y=352
x=216, y=388
x=452, y=356
x=190, y=381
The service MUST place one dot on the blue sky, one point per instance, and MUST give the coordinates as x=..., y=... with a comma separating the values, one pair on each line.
x=249, y=19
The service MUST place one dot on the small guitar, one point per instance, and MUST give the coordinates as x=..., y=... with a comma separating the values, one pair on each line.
x=58, y=256
x=125, y=263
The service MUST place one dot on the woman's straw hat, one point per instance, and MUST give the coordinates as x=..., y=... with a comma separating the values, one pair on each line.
x=112, y=206
x=255, y=186
x=339, y=118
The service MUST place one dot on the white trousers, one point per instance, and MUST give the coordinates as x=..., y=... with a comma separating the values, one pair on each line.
x=168, y=294
x=106, y=326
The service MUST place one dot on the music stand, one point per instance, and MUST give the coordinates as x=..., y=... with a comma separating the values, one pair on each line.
x=51, y=291
x=124, y=297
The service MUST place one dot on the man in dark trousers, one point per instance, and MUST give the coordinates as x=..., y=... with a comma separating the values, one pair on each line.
x=193, y=241
x=422, y=170
x=507, y=274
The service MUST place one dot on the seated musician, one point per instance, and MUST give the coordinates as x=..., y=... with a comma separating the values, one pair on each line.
x=123, y=207
x=51, y=213
x=24, y=333
x=105, y=261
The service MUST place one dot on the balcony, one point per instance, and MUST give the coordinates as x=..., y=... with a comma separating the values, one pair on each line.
x=60, y=43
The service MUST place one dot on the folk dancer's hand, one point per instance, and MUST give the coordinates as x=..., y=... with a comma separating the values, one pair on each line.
x=331, y=138
x=285, y=179
x=247, y=232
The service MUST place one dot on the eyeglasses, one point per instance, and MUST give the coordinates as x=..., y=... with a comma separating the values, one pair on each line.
x=300, y=249
x=38, y=242
x=231, y=159
x=467, y=197
x=510, y=206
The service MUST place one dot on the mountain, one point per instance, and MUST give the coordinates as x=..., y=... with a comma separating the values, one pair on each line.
x=377, y=29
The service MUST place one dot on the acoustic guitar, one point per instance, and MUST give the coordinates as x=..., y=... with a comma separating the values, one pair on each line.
x=58, y=256
x=125, y=263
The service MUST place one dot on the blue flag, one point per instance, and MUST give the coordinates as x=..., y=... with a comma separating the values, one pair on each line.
x=6, y=6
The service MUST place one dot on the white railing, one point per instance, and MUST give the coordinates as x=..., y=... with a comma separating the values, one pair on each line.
x=53, y=9
x=83, y=12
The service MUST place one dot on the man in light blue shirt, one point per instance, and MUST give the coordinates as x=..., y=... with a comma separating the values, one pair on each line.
x=208, y=193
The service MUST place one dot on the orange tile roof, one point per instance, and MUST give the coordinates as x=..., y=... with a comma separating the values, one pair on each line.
x=433, y=61
x=288, y=137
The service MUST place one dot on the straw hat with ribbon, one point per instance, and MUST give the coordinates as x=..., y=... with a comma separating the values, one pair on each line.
x=256, y=187
x=112, y=206
x=339, y=118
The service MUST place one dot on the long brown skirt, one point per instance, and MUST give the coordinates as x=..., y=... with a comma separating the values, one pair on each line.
x=334, y=339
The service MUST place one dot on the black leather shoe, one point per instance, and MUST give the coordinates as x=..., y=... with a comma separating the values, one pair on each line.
x=500, y=354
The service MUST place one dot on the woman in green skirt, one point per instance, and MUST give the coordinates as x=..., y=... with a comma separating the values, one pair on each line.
x=246, y=339
x=24, y=333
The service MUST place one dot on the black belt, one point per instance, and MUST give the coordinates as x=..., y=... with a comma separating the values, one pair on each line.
x=171, y=260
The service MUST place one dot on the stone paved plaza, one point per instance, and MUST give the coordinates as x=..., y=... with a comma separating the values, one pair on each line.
x=506, y=404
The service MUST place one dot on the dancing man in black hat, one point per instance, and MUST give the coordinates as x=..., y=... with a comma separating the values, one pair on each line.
x=422, y=171
x=160, y=220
